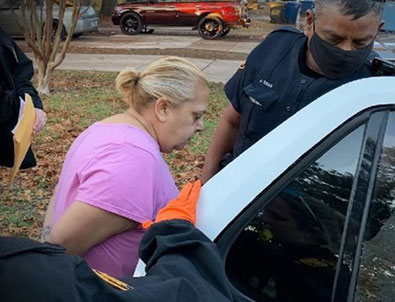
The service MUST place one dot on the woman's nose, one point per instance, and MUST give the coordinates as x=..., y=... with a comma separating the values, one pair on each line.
x=200, y=125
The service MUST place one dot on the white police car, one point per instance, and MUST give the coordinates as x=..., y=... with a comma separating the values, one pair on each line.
x=308, y=212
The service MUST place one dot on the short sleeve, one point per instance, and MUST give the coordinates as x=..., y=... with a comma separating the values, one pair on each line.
x=120, y=180
x=234, y=88
x=249, y=71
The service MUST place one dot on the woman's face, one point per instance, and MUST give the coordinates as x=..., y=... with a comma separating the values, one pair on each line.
x=183, y=121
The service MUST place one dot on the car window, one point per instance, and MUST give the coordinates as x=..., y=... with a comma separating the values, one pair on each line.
x=289, y=250
x=376, y=279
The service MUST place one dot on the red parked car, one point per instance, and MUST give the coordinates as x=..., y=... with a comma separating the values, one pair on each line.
x=211, y=18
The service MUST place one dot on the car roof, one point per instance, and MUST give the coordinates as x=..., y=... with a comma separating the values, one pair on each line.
x=225, y=195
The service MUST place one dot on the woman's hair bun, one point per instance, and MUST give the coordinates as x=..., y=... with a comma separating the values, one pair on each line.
x=127, y=80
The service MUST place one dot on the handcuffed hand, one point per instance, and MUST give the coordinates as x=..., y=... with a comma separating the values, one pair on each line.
x=181, y=207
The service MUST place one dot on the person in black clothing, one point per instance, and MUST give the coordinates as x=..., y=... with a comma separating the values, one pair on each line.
x=16, y=71
x=182, y=265
x=286, y=72
x=291, y=69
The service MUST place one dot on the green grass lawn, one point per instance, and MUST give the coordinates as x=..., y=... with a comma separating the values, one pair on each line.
x=79, y=99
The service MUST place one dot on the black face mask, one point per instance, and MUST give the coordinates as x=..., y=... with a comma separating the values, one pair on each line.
x=335, y=62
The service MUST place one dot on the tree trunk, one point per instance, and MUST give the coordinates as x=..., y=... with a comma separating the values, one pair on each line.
x=41, y=67
x=43, y=89
x=44, y=74
x=107, y=7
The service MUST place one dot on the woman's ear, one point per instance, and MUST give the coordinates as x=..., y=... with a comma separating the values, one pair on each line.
x=161, y=109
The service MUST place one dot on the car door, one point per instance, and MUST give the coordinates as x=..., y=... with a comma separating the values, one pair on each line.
x=301, y=238
x=188, y=12
x=161, y=12
x=7, y=18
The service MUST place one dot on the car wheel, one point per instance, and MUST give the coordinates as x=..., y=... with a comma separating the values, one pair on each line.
x=131, y=24
x=225, y=31
x=63, y=34
x=210, y=28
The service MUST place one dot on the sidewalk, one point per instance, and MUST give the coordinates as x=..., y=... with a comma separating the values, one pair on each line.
x=219, y=71
x=216, y=70
x=120, y=41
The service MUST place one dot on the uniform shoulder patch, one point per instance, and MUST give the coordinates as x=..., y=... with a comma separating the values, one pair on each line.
x=243, y=64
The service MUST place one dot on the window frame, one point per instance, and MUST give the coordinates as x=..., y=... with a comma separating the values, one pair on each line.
x=363, y=220
x=363, y=196
x=228, y=235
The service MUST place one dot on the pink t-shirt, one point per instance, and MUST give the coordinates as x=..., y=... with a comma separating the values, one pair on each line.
x=118, y=168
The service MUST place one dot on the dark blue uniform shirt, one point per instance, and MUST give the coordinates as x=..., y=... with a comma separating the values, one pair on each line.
x=275, y=83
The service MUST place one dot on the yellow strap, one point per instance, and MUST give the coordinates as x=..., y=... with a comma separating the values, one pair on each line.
x=114, y=282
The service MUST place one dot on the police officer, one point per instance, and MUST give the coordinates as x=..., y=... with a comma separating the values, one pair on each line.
x=290, y=69
x=16, y=71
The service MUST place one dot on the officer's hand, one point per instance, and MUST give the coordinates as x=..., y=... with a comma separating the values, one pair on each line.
x=182, y=207
x=39, y=122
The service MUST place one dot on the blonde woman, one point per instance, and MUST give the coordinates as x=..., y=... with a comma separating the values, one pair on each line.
x=114, y=176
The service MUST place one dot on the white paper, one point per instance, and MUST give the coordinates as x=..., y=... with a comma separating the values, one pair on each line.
x=21, y=108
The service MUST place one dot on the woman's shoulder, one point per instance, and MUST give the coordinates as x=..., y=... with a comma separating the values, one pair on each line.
x=123, y=138
x=114, y=147
x=118, y=134
x=138, y=138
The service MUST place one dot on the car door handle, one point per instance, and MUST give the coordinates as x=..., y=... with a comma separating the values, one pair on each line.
x=172, y=6
x=197, y=6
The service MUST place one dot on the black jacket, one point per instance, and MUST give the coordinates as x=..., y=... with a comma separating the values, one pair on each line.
x=16, y=71
x=182, y=265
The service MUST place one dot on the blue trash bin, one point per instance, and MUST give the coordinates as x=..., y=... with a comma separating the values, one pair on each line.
x=305, y=6
x=291, y=11
x=389, y=16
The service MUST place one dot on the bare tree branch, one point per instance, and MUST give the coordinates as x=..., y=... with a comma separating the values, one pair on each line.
x=31, y=14
x=56, y=42
x=76, y=11
x=21, y=24
x=37, y=23
x=48, y=30
x=44, y=31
